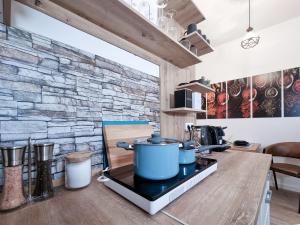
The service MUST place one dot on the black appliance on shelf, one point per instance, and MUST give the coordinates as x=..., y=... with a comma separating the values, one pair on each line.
x=212, y=138
x=183, y=98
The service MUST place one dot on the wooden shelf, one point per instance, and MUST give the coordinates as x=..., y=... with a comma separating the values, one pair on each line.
x=196, y=87
x=200, y=43
x=186, y=12
x=184, y=110
x=118, y=18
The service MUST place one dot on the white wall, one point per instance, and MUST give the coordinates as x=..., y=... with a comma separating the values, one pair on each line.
x=31, y=20
x=279, y=48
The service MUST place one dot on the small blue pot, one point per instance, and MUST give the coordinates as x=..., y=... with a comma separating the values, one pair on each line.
x=187, y=156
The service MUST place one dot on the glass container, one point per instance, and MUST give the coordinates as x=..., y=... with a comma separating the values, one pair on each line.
x=186, y=43
x=162, y=18
x=12, y=195
x=144, y=8
x=172, y=27
x=78, y=167
x=194, y=50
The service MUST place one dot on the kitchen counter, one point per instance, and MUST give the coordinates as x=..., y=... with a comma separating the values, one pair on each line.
x=232, y=195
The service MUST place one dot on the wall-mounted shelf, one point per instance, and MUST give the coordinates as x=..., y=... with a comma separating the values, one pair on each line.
x=200, y=43
x=186, y=12
x=197, y=87
x=118, y=18
x=184, y=110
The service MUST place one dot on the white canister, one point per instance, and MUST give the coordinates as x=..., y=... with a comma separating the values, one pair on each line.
x=196, y=100
x=78, y=172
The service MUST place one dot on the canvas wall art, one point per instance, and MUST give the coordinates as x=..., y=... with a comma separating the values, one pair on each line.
x=217, y=101
x=203, y=107
x=291, y=85
x=267, y=95
x=239, y=97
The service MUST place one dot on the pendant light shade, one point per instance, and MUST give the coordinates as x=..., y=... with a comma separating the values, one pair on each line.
x=251, y=39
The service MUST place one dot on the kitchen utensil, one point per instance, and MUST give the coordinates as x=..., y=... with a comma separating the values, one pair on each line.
x=144, y=8
x=78, y=169
x=126, y=131
x=162, y=19
x=172, y=27
x=187, y=153
x=155, y=158
x=43, y=158
x=193, y=49
x=202, y=79
x=206, y=82
x=186, y=43
x=191, y=28
x=12, y=195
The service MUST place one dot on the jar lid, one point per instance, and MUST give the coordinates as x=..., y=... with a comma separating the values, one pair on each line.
x=78, y=156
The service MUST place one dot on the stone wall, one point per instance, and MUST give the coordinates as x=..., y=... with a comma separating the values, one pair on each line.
x=56, y=93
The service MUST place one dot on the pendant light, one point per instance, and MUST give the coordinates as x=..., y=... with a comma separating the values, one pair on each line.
x=251, y=39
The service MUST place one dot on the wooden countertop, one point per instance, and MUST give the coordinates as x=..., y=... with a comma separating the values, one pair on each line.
x=231, y=195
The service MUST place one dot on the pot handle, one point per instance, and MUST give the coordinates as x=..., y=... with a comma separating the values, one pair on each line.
x=125, y=145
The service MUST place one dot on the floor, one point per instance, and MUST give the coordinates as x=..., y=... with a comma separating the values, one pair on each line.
x=284, y=207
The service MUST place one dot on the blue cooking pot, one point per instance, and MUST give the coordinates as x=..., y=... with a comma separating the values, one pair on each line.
x=187, y=153
x=156, y=158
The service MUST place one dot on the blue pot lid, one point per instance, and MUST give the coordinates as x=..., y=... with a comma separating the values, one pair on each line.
x=156, y=139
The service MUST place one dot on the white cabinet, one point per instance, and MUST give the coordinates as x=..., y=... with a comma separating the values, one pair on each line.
x=264, y=213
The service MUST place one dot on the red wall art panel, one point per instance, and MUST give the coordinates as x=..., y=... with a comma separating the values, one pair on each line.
x=239, y=97
x=217, y=101
x=291, y=85
x=267, y=99
x=202, y=115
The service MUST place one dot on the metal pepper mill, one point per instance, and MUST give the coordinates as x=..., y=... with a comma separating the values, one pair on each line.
x=43, y=159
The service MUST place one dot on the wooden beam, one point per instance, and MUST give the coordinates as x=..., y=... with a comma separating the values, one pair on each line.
x=7, y=12
x=53, y=10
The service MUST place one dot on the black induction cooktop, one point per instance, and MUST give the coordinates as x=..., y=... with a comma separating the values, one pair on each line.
x=151, y=189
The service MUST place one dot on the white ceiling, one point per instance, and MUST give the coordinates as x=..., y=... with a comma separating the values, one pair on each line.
x=227, y=20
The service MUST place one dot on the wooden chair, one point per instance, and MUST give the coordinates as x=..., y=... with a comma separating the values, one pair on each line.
x=285, y=149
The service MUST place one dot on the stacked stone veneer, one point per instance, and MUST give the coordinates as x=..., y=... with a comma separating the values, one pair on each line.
x=56, y=93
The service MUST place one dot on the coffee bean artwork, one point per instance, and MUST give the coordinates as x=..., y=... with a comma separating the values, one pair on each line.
x=291, y=87
x=267, y=101
x=217, y=101
x=259, y=96
x=239, y=97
